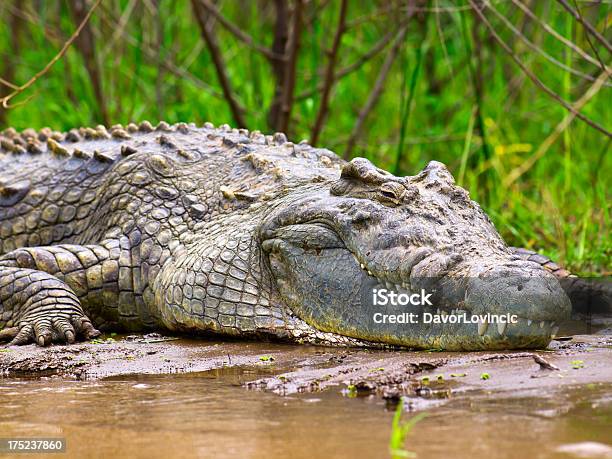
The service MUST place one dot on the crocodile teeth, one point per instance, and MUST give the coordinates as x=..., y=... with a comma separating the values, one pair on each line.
x=501, y=328
x=362, y=265
x=397, y=287
x=554, y=331
x=542, y=324
x=370, y=273
x=389, y=286
x=438, y=311
x=482, y=327
x=444, y=313
x=529, y=321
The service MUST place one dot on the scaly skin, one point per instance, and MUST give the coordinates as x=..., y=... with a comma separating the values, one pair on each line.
x=202, y=230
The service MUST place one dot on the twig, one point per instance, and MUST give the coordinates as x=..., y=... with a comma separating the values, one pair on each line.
x=372, y=16
x=550, y=140
x=443, y=44
x=219, y=63
x=5, y=100
x=279, y=45
x=588, y=39
x=49, y=33
x=85, y=43
x=376, y=91
x=407, y=106
x=467, y=144
x=8, y=83
x=413, y=9
x=539, y=50
x=544, y=364
x=365, y=57
x=167, y=64
x=534, y=78
x=15, y=26
x=587, y=25
x=290, y=69
x=477, y=82
x=159, y=77
x=239, y=34
x=329, y=74
x=315, y=12
x=557, y=35
x=121, y=24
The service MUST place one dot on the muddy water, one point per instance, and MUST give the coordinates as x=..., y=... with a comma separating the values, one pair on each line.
x=210, y=414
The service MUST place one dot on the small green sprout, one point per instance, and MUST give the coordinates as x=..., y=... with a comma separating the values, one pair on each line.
x=266, y=358
x=102, y=341
x=351, y=391
x=485, y=376
x=577, y=364
x=400, y=430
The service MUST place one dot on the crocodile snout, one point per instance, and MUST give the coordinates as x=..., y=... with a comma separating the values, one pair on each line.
x=528, y=292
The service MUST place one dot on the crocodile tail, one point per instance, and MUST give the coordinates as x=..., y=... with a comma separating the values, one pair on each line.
x=588, y=295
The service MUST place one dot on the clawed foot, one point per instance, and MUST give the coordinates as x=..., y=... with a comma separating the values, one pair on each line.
x=61, y=328
x=45, y=309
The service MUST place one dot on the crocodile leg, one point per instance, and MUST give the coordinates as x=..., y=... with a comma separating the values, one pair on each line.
x=35, y=305
x=45, y=286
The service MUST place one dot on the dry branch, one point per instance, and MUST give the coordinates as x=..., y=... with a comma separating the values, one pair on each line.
x=8, y=71
x=565, y=122
x=218, y=61
x=533, y=77
x=293, y=46
x=239, y=34
x=539, y=50
x=379, y=46
x=376, y=91
x=119, y=29
x=329, y=74
x=5, y=100
x=279, y=45
x=588, y=39
x=556, y=34
x=587, y=25
x=85, y=43
x=180, y=72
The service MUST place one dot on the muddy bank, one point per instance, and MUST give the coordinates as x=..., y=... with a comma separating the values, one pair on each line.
x=287, y=369
x=152, y=397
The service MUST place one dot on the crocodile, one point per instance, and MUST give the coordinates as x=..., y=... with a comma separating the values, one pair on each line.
x=206, y=230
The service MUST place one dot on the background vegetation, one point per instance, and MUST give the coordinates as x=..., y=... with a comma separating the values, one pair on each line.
x=399, y=82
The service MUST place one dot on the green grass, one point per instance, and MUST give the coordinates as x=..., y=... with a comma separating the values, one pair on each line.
x=560, y=206
x=400, y=430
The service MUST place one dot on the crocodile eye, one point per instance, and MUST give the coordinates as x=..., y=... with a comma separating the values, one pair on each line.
x=388, y=194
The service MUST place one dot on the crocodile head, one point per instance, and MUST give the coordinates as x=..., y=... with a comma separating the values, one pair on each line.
x=367, y=231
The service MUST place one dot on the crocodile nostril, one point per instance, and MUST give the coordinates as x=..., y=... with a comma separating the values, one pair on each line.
x=361, y=216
